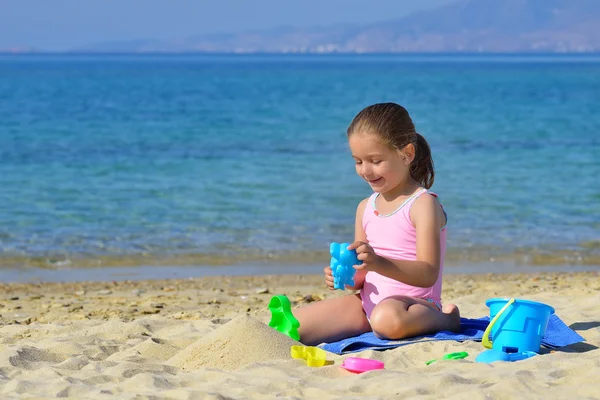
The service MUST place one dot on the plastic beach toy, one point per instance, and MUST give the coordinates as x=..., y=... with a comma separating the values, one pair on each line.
x=359, y=365
x=342, y=262
x=517, y=328
x=451, y=356
x=314, y=356
x=492, y=355
x=282, y=318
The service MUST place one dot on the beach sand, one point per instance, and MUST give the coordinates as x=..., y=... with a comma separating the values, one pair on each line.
x=207, y=338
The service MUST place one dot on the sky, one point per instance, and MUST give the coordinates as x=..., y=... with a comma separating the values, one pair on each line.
x=55, y=25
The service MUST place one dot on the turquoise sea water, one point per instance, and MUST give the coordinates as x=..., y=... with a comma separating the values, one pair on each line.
x=200, y=159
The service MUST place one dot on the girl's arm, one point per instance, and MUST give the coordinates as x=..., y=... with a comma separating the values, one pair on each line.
x=359, y=235
x=428, y=219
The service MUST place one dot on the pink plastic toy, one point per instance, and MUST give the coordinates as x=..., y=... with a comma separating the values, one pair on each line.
x=359, y=365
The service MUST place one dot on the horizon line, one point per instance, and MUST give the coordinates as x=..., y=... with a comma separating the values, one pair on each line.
x=312, y=53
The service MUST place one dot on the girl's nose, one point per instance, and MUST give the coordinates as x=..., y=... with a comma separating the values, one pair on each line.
x=365, y=170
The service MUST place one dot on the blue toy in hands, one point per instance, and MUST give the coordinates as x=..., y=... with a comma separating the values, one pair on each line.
x=342, y=261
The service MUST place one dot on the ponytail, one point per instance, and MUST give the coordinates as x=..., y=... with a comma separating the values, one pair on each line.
x=421, y=168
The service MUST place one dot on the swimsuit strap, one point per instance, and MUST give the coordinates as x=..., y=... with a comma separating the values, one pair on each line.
x=411, y=197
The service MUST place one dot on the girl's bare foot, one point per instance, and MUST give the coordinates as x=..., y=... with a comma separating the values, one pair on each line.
x=454, y=316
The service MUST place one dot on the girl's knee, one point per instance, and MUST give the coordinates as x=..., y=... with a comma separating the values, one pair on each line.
x=387, y=323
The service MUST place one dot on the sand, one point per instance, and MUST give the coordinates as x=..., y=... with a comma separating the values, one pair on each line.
x=208, y=338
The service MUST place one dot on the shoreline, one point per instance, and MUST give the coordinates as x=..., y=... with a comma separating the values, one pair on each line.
x=150, y=272
x=586, y=253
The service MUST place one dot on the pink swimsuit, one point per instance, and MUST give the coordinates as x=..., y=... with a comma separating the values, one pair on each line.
x=393, y=236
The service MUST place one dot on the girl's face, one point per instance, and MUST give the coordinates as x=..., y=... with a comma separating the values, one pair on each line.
x=382, y=167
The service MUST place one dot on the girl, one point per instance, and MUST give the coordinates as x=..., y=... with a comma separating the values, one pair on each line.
x=400, y=237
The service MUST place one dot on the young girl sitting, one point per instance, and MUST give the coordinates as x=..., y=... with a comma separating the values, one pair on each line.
x=400, y=237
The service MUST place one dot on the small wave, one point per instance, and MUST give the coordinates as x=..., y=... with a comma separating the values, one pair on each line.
x=587, y=255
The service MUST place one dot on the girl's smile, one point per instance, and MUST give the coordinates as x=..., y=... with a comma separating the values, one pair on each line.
x=375, y=181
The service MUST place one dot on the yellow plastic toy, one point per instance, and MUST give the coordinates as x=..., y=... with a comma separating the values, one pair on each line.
x=314, y=356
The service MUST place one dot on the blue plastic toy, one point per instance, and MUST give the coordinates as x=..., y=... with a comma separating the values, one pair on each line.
x=342, y=261
x=516, y=328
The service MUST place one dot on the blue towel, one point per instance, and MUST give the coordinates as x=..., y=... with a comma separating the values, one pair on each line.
x=557, y=335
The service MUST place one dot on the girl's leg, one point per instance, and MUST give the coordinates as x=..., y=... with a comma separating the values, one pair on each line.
x=332, y=319
x=399, y=317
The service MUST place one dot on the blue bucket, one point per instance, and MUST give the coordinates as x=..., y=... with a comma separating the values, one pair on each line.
x=516, y=325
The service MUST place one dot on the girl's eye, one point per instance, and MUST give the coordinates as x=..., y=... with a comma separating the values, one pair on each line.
x=376, y=162
x=358, y=162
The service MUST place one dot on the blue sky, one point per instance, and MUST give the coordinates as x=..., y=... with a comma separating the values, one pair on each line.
x=65, y=24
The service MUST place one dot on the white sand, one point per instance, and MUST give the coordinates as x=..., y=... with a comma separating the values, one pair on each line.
x=238, y=343
x=167, y=356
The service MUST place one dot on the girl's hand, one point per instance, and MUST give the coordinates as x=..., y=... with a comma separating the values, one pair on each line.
x=366, y=254
x=329, y=277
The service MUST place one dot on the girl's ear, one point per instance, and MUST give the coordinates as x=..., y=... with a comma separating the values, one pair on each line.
x=408, y=153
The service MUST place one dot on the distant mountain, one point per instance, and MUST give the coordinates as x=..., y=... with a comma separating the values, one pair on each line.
x=463, y=26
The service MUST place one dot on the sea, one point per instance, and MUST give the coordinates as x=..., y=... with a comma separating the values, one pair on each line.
x=155, y=165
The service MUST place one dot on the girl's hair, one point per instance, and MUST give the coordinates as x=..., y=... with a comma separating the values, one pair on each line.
x=394, y=126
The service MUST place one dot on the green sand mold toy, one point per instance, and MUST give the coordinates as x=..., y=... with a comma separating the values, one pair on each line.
x=451, y=356
x=282, y=318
